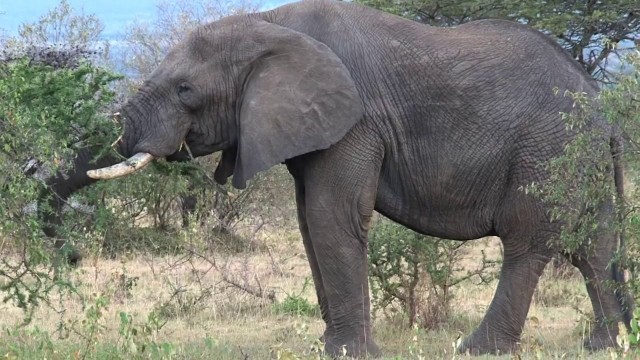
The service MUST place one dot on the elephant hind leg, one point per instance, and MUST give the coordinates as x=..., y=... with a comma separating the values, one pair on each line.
x=501, y=328
x=606, y=309
x=598, y=271
x=524, y=232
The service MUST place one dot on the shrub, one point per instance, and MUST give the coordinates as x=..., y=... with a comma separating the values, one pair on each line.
x=581, y=173
x=45, y=112
x=414, y=273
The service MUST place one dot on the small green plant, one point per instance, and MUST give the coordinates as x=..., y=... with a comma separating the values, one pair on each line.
x=634, y=334
x=141, y=338
x=296, y=304
x=92, y=326
x=299, y=331
x=629, y=339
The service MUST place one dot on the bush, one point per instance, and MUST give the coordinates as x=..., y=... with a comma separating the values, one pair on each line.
x=414, y=273
x=581, y=174
x=45, y=113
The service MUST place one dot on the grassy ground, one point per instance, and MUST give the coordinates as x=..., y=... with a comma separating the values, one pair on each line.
x=183, y=307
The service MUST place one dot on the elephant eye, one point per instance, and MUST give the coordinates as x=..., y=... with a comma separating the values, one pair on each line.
x=183, y=89
x=187, y=96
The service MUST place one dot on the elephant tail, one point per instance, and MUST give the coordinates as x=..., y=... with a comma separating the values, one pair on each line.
x=617, y=266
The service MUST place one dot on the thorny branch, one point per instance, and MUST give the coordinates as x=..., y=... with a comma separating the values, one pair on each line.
x=244, y=285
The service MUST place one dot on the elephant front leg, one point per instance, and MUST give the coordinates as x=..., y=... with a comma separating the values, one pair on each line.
x=338, y=205
x=342, y=260
x=313, y=260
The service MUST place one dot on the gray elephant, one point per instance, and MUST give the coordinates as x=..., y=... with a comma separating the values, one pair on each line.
x=436, y=128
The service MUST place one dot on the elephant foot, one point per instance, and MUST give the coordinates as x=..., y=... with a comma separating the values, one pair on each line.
x=488, y=343
x=70, y=255
x=357, y=348
x=601, y=339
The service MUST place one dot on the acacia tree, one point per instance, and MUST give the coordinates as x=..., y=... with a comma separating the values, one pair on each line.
x=62, y=29
x=148, y=43
x=37, y=103
x=596, y=32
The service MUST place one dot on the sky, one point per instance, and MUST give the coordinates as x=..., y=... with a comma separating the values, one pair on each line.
x=115, y=14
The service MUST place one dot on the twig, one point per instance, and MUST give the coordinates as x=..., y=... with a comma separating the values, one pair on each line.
x=246, y=287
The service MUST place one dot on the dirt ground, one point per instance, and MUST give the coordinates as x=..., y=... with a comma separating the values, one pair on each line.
x=226, y=307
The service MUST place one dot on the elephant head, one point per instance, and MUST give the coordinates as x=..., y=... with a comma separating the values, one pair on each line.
x=260, y=92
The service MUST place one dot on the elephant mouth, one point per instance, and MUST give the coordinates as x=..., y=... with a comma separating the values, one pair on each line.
x=143, y=158
x=129, y=166
x=144, y=153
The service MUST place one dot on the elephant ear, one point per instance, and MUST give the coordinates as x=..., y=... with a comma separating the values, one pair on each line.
x=299, y=97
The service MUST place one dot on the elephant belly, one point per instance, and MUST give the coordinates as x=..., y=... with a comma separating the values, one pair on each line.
x=441, y=208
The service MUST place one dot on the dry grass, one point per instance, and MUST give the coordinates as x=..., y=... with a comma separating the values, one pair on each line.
x=207, y=318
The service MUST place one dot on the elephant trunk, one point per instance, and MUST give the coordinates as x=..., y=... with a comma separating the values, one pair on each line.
x=62, y=184
x=59, y=187
x=125, y=143
x=144, y=139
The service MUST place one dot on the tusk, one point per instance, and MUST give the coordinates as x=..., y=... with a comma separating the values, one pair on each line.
x=115, y=117
x=184, y=143
x=126, y=167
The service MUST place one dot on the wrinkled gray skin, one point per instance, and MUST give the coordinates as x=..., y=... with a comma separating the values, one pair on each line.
x=434, y=128
x=61, y=185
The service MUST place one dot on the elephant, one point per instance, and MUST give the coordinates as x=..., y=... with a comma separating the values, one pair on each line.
x=62, y=184
x=437, y=129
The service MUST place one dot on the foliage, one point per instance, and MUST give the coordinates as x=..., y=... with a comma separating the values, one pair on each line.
x=60, y=30
x=622, y=107
x=581, y=27
x=416, y=273
x=580, y=182
x=64, y=109
x=138, y=339
x=44, y=114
